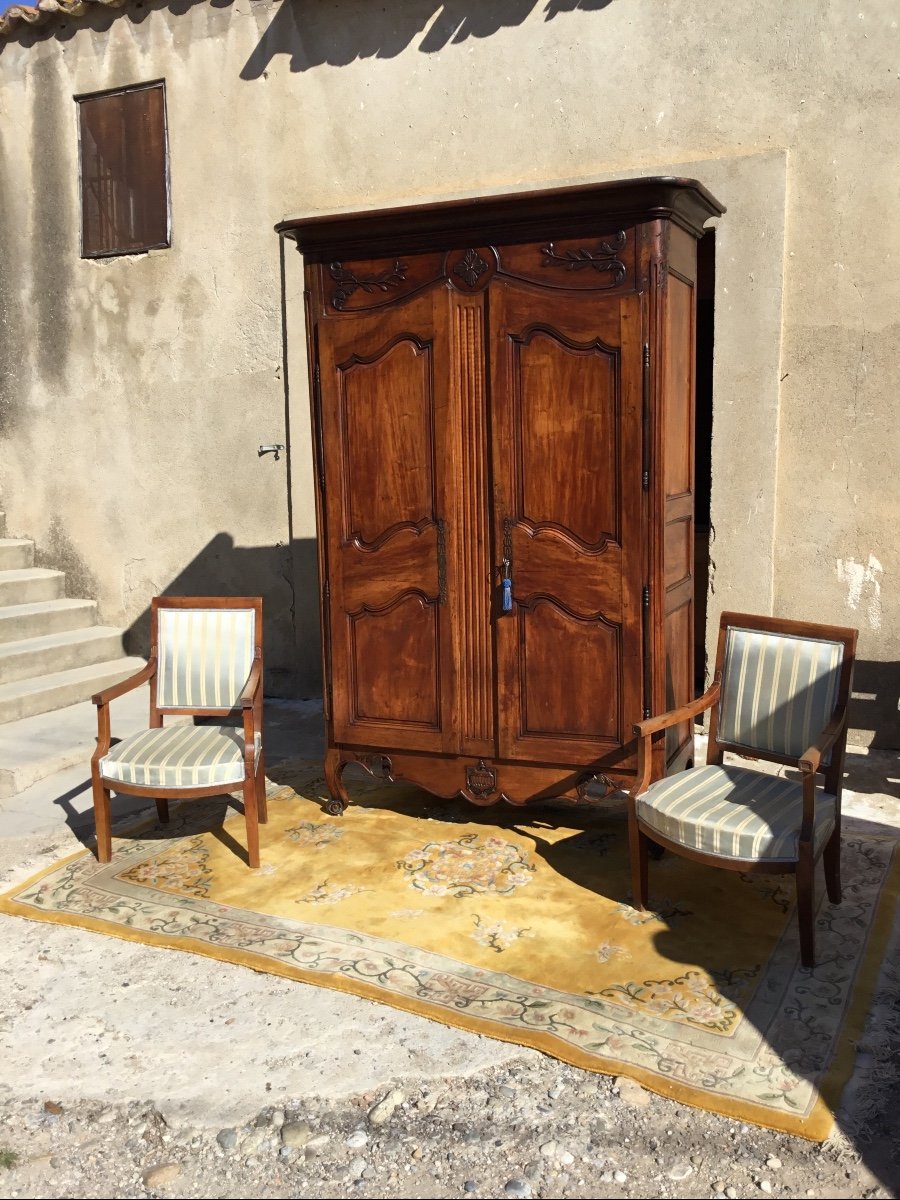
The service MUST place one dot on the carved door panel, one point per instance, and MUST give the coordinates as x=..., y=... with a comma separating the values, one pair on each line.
x=566, y=418
x=383, y=380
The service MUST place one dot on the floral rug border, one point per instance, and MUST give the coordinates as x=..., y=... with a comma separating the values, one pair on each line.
x=821, y=1010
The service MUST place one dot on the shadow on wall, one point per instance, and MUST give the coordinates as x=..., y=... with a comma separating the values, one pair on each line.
x=875, y=707
x=339, y=33
x=287, y=579
x=350, y=29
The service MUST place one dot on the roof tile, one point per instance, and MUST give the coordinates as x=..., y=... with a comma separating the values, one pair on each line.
x=37, y=14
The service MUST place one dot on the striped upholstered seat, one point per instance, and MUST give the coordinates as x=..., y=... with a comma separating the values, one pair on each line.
x=779, y=694
x=180, y=756
x=205, y=660
x=733, y=812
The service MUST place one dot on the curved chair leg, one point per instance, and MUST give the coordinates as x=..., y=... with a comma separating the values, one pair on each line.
x=262, y=806
x=334, y=769
x=162, y=811
x=831, y=860
x=638, y=844
x=102, y=820
x=251, y=816
x=806, y=909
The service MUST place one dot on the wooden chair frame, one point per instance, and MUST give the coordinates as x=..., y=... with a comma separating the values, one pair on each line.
x=250, y=705
x=810, y=763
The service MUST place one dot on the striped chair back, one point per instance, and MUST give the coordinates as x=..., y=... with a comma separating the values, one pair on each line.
x=204, y=656
x=779, y=691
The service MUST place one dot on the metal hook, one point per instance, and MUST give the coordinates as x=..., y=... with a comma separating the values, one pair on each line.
x=274, y=449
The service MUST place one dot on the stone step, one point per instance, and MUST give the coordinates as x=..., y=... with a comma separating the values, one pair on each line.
x=61, y=688
x=15, y=553
x=34, y=748
x=30, y=585
x=59, y=652
x=20, y=621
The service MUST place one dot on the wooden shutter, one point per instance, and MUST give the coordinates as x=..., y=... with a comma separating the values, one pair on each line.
x=124, y=192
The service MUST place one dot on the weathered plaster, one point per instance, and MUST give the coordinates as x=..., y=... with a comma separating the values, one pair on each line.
x=172, y=361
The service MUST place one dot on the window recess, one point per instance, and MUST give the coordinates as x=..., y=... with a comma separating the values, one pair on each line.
x=124, y=164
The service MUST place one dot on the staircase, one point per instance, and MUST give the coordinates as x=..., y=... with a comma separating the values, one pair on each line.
x=52, y=651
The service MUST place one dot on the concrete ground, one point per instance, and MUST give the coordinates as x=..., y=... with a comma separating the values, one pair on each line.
x=91, y=1017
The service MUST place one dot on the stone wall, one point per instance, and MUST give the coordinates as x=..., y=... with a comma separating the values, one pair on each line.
x=134, y=391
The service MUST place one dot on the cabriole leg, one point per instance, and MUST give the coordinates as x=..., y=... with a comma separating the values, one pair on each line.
x=334, y=769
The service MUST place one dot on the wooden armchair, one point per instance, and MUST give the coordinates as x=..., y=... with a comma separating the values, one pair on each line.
x=205, y=660
x=780, y=694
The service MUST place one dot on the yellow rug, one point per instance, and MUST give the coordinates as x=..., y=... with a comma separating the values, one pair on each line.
x=515, y=924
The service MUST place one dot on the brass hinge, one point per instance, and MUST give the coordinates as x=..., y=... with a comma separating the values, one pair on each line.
x=645, y=423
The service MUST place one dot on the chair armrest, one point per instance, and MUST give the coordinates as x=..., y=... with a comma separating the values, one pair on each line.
x=811, y=758
x=677, y=715
x=251, y=687
x=102, y=699
x=127, y=685
x=809, y=762
x=250, y=701
x=646, y=729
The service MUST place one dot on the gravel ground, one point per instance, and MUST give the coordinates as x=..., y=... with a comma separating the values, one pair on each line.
x=120, y=1064
x=541, y=1130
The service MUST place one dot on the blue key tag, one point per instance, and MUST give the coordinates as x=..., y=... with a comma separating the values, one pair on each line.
x=507, y=594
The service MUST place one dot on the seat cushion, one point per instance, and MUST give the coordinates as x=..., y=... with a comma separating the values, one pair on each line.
x=734, y=812
x=182, y=756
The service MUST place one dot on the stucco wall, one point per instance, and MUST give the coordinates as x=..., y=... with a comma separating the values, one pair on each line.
x=134, y=391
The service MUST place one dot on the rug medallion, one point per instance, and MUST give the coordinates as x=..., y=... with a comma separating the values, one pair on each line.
x=516, y=924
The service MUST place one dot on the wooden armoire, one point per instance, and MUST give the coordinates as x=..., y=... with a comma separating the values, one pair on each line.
x=503, y=398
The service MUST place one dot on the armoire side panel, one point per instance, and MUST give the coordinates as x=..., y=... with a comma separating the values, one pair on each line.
x=678, y=536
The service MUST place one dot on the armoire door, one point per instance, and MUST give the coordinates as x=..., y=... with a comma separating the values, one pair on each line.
x=566, y=407
x=383, y=385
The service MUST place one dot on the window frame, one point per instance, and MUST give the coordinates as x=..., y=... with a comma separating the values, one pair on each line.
x=121, y=91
